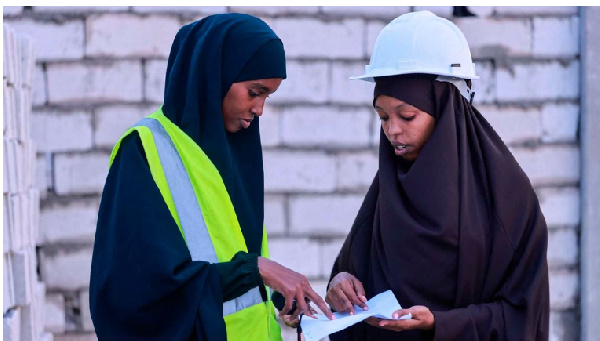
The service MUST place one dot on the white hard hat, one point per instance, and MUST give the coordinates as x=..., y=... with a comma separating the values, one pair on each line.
x=420, y=42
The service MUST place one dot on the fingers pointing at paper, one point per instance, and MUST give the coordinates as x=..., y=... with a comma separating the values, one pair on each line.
x=344, y=292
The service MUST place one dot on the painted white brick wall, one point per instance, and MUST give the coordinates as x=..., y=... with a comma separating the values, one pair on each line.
x=75, y=222
x=155, y=71
x=113, y=121
x=62, y=131
x=562, y=247
x=54, y=313
x=556, y=36
x=293, y=252
x=560, y=206
x=323, y=215
x=298, y=171
x=269, y=126
x=126, y=35
x=386, y=12
x=305, y=38
x=514, y=124
x=80, y=173
x=560, y=123
x=546, y=165
x=275, y=213
x=348, y=91
x=325, y=127
x=356, y=170
x=497, y=36
x=563, y=293
x=536, y=10
x=306, y=82
x=84, y=83
x=540, y=81
x=54, y=40
x=56, y=267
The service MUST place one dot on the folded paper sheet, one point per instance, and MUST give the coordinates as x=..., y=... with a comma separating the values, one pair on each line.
x=382, y=306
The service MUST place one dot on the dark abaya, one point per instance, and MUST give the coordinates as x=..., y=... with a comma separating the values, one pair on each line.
x=459, y=230
x=143, y=283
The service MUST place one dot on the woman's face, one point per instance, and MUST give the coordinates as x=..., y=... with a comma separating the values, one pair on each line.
x=406, y=127
x=244, y=100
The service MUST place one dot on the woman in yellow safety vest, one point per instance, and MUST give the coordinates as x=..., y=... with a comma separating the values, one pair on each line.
x=181, y=250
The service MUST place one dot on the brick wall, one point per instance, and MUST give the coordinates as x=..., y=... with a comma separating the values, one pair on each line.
x=100, y=69
x=23, y=295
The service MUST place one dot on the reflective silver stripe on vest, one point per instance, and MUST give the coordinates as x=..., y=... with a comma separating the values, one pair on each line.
x=190, y=214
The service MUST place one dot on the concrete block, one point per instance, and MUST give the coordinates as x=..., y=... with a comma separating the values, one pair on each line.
x=66, y=269
x=275, y=215
x=23, y=113
x=556, y=36
x=23, y=275
x=560, y=123
x=549, y=164
x=440, y=11
x=485, y=86
x=329, y=250
x=84, y=306
x=129, y=35
x=12, y=325
x=270, y=125
x=482, y=11
x=527, y=11
x=323, y=215
x=27, y=60
x=306, y=82
x=80, y=173
x=275, y=10
x=5, y=224
x=298, y=172
x=59, y=131
x=180, y=9
x=346, y=91
x=10, y=112
x=383, y=12
x=539, y=81
x=561, y=206
x=154, y=87
x=8, y=291
x=11, y=10
x=514, y=124
x=496, y=38
x=38, y=90
x=564, y=325
x=10, y=50
x=113, y=121
x=324, y=126
x=356, y=170
x=42, y=171
x=85, y=83
x=46, y=337
x=15, y=222
x=53, y=40
x=79, y=9
x=287, y=252
x=563, y=248
x=564, y=289
x=312, y=38
x=75, y=222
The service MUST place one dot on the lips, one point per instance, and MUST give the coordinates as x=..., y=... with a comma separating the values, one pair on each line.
x=246, y=123
x=399, y=148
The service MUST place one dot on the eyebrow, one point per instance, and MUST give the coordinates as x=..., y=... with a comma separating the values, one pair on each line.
x=261, y=87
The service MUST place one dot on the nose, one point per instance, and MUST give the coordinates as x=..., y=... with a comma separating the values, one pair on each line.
x=257, y=108
x=394, y=126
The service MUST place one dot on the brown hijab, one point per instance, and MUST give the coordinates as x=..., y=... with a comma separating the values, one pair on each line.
x=458, y=230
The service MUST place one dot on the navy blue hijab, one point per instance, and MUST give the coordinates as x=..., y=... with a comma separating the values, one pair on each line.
x=206, y=58
x=143, y=282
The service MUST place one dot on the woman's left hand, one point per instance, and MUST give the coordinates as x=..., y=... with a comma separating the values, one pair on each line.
x=422, y=318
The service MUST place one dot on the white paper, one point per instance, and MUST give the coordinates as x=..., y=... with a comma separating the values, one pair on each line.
x=382, y=306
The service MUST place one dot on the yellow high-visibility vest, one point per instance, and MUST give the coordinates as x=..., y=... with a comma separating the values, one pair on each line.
x=200, y=205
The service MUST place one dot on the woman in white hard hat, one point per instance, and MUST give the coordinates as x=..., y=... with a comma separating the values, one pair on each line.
x=451, y=223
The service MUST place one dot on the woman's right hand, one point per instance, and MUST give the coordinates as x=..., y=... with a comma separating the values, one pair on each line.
x=344, y=292
x=293, y=286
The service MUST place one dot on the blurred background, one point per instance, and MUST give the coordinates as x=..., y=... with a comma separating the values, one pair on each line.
x=75, y=78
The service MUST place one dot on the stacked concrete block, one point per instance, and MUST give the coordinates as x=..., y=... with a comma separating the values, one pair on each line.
x=101, y=69
x=23, y=294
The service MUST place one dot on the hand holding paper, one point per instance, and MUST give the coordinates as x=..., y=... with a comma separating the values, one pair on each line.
x=382, y=306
